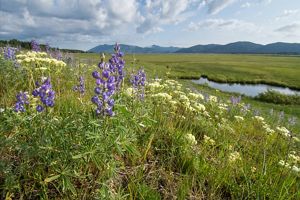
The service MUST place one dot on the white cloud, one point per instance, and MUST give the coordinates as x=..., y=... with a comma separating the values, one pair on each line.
x=222, y=24
x=246, y=5
x=123, y=20
x=25, y=19
x=287, y=13
x=215, y=6
x=290, y=29
x=267, y=1
x=160, y=12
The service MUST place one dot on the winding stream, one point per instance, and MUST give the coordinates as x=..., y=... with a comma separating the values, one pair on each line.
x=251, y=90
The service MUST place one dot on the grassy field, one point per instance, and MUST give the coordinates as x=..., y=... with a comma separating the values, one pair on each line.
x=181, y=141
x=272, y=69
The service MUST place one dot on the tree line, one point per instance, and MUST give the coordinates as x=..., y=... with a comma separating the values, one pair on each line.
x=27, y=45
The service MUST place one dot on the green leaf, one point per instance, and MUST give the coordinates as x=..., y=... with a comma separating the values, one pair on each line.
x=82, y=155
x=52, y=178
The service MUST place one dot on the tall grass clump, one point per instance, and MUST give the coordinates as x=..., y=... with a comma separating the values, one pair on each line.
x=279, y=98
x=93, y=132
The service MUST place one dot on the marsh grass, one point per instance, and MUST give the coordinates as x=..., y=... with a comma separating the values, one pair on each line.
x=278, y=98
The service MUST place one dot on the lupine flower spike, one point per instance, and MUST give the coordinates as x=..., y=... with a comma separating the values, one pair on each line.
x=46, y=94
x=138, y=82
x=35, y=46
x=9, y=53
x=80, y=87
x=116, y=65
x=22, y=101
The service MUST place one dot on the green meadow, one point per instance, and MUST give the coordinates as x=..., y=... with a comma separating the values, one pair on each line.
x=178, y=140
x=271, y=69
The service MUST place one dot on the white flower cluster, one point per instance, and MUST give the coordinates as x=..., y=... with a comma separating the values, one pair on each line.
x=172, y=84
x=266, y=126
x=283, y=131
x=175, y=97
x=293, y=157
x=259, y=119
x=239, y=118
x=213, y=99
x=129, y=92
x=223, y=107
x=294, y=168
x=268, y=129
x=234, y=156
x=208, y=140
x=154, y=86
x=40, y=58
x=162, y=96
x=191, y=139
x=195, y=96
x=199, y=107
x=292, y=162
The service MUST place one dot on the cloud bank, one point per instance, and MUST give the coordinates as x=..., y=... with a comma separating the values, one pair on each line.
x=79, y=21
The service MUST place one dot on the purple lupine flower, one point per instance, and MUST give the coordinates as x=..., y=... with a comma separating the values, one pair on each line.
x=116, y=65
x=256, y=112
x=22, y=100
x=108, y=82
x=281, y=116
x=96, y=75
x=57, y=54
x=292, y=121
x=9, y=53
x=105, y=89
x=35, y=45
x=80, y=87
x=235, y=100
x=48, y=48
x=246, y=108
x=46, y=94
x=138, y=82
x=206, y=97
x=39, y=108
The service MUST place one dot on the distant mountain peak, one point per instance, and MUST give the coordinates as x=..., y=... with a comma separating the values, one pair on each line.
x=134, y=49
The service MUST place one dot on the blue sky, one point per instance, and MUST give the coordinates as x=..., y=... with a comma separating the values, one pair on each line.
x=83, y=24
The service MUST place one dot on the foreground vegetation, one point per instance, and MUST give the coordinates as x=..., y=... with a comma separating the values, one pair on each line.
x=176, y=141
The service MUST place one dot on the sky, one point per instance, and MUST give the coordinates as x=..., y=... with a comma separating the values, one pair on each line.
x=83, y=24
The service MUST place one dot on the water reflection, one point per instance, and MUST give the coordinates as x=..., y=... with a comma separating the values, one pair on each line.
x=246, y=89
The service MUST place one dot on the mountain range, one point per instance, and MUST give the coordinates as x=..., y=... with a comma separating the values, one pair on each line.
x=134, y=49
x=231, y=48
